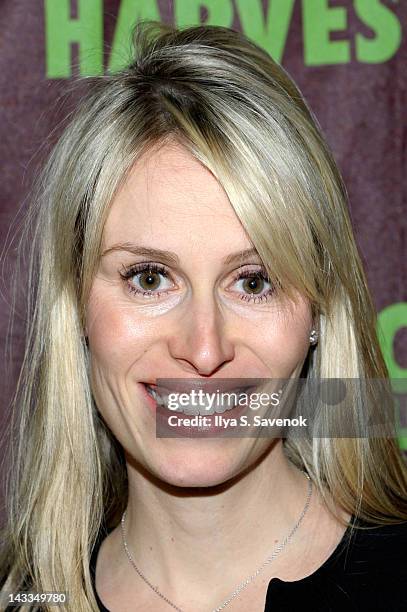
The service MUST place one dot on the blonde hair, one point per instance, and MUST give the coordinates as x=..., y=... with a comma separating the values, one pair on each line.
x=237, y=112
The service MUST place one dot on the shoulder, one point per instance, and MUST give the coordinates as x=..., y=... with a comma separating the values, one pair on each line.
x=371, y=551
x=104, y=531
x=371, y=568
x=380, y=546
x=101, y=535
x=366, y=572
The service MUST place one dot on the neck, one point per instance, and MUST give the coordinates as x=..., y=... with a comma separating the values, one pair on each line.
x=184, y=534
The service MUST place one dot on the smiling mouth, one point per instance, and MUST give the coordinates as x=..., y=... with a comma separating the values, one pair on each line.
x=219, y=404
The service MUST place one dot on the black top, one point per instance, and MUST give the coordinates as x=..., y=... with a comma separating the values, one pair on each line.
x=367, y=572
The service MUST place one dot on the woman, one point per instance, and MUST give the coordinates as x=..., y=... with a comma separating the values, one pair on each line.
x=192, y=229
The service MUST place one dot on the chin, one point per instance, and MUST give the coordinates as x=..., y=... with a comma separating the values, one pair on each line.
x=200, y=465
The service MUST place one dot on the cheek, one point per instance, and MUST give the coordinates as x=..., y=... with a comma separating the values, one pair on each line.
x=284, y=340
x=117, y=337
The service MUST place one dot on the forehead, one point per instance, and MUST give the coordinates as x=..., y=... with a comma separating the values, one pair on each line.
x=169, y=195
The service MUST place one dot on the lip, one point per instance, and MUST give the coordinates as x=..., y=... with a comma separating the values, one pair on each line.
x=186, y=385
x=161, y=415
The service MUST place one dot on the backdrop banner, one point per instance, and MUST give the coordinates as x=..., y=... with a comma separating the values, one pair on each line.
x=345, y=55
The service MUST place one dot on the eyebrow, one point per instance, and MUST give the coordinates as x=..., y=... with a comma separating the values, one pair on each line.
x=171, y=258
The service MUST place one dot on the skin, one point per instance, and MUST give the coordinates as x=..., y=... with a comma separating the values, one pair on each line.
x=194, y=504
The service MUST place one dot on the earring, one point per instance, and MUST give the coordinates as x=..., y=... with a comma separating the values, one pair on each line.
x=313, y=337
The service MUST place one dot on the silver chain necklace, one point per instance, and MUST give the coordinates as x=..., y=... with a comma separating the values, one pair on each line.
x=243, y=584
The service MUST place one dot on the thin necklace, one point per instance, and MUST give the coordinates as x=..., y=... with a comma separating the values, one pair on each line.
x=243, y=584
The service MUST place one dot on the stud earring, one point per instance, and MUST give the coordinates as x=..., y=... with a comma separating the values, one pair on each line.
x=313, y=337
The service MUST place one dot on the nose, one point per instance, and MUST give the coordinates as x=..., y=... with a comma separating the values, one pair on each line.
x=200, y=342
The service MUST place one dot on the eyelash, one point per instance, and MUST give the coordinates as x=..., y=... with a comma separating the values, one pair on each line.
x=127, y=274
x=138, y=269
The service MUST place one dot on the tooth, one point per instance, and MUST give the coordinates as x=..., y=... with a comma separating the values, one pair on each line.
x=206, y=410
x=218, y=408
x=202, y=409
x=162, y=400
x=190, y=410
x=155, y=396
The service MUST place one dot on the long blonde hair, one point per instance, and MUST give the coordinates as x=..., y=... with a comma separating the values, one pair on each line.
x=239, y=113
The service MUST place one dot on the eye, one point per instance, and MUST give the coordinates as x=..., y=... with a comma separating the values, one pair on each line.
x=153, y=280
x=147, y=279
x=253, y=285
